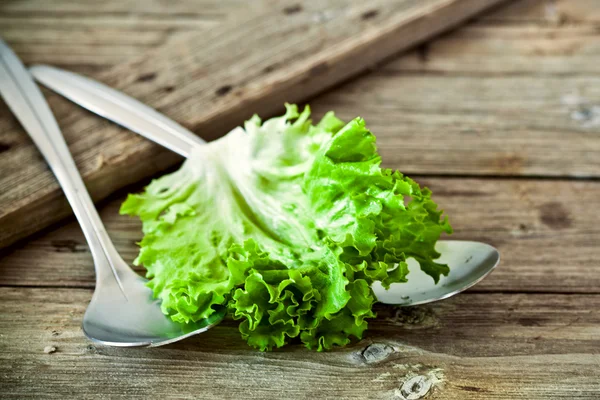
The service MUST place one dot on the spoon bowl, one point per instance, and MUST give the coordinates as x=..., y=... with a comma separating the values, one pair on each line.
x=132, y=317
x=469, y=263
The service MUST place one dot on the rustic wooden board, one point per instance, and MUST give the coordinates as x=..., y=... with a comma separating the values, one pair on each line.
x=484, y=49
x=181, y=9
x=102, y=34
x=547, y=232
x=529, y=331
x=88, y=36
x=548, y=12
x=474, y=346
x=211, y=82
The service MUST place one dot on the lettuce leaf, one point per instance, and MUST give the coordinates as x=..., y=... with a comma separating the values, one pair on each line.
x=287, y=224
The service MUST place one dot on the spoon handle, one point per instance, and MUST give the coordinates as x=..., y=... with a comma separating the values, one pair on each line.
x=118, y=107
x=26, y=101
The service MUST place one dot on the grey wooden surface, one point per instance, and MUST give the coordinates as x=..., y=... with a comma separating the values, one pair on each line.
x=499, y=118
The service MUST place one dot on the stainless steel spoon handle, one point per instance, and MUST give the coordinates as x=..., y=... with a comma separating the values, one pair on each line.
x=119, y=108
x=26, y=101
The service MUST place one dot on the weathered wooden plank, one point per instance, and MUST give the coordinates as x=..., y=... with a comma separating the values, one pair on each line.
x=552, y=12
x=211, y=82
x=533, y=36
x=88, y=36
x=499, y=125
x=88, y=56
x=522, y=10
x=474, y=346
x=101, y=34
x=87, y=43
x=178, y=9
x=481, y=50
x=547, y=233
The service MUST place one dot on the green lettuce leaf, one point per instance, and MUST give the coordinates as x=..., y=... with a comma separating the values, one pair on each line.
x=287, y=224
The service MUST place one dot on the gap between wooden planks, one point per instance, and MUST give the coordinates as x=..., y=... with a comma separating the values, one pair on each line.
x=547, y=233
x=211, y=82
x=473, y=346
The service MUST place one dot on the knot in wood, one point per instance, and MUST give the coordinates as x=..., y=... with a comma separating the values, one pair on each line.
x=415, y=388
x=49, y=349
x=376, y=352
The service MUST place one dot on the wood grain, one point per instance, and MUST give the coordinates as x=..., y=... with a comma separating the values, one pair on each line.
x=557, y=12
x=470, y=347
x=529, y=331
x=89, y=36
x=211, y=82
x=102, y=34
x=547, y=232
x=91, y=8
x=484, y=49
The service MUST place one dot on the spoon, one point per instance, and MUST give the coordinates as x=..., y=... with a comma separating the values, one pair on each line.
x=469, y=262
x=122, y=311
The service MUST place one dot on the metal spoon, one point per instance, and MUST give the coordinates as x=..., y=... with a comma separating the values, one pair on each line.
x=469, y=262
x=122, y=311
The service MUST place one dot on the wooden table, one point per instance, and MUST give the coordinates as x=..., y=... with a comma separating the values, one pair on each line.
x=501, y=119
